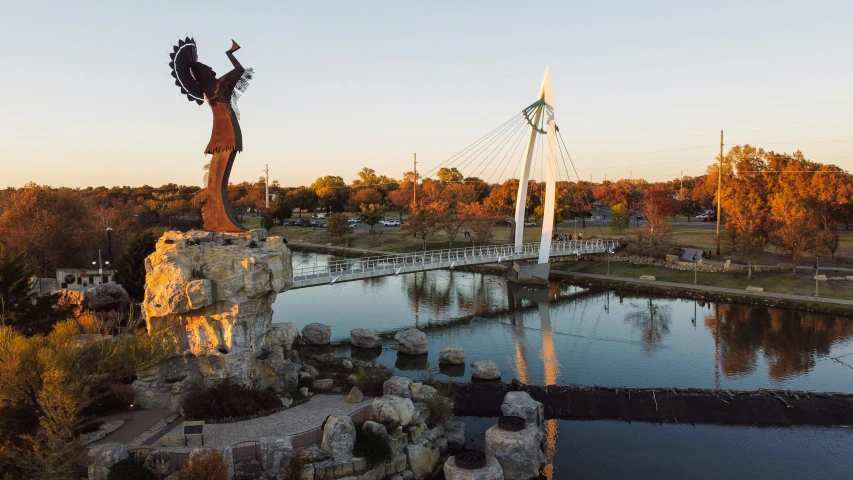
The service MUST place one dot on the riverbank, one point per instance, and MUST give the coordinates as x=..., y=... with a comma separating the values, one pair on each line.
x=665, y=405
x=833, y=306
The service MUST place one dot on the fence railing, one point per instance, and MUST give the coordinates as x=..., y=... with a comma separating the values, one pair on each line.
x=247, y=450
x=440, y=258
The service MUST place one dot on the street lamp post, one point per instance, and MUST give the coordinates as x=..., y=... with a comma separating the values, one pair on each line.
x=608, y=261
x=694, y=269
x=100, y=265
x=816, y=274
x=110, y=243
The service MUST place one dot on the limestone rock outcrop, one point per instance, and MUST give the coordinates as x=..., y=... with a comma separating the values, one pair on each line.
x=316, y=334
x=104, y=456
x=339, y=437
x=365, y=338
x=520, y=404
x=399, y=386
x=411, y=341
x=485, y=370
x=391, y=408
x=215, y=292
x=452, y=355
x=276, y=453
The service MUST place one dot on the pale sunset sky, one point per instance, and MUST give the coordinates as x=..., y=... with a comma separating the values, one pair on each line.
x=88, y=99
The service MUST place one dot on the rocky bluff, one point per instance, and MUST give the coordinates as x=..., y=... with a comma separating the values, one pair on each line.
x=215, y=292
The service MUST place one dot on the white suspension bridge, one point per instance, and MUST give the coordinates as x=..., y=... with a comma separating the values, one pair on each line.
x=503, y=142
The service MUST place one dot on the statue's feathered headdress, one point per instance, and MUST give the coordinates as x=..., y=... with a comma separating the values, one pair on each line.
x=183, y=57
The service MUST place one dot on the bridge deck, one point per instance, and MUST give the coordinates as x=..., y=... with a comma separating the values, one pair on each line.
x=369, y=267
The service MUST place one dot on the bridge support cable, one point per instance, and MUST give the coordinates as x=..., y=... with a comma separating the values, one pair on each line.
x=563, y=143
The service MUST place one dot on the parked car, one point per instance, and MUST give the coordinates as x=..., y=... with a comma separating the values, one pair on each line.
x=529, y=224
x=702, y=216
x=353, y=221
x=318, y=215
x=318, y=224
x=502, y=223
x=391, y=223
x=302, y=222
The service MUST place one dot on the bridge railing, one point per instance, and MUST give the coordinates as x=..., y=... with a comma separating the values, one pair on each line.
x=445, y=257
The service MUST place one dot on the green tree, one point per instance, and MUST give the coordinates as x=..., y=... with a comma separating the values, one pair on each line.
x=304, y=198
x=130, y=269
x=446, y=176
x=371, y=214
x=620, y=217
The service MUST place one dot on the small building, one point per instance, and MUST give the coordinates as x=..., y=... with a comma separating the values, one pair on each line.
x=80, y=278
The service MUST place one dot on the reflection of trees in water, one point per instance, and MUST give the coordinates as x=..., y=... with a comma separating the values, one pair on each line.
x=652, y=321
x=473, y=293
x=790, y=340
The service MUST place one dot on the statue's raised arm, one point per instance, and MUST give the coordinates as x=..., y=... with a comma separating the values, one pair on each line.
x=199, y=83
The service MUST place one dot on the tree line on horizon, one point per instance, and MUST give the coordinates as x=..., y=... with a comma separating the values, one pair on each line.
x=768, y=198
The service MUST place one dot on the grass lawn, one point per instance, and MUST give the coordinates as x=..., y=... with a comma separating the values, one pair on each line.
x=803, y=284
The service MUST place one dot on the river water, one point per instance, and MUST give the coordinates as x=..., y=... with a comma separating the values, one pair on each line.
x=571, y=335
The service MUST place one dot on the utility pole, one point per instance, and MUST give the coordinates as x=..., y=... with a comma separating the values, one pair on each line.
x=681, y=191
x=267, y=184
x=719, y=193
x=415, y=185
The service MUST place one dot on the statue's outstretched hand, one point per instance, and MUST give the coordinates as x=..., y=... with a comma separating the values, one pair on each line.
x=234, y=47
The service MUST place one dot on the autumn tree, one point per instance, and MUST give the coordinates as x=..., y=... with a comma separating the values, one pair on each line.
x=364, y=196
x=657, y=206
x=424, y=221
x=52, y=226
x=620, y=217
x=480, y=219
x=16, y=298
x=501, y=199
x=332, y=192
x=745, y=202
x=446, y=176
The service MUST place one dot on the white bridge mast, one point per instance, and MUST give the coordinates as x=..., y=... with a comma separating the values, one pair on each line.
x=550, y=182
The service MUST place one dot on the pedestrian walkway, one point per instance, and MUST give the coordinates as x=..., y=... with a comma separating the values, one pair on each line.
x=136, y=423
x=707, y=288
x=294, y=420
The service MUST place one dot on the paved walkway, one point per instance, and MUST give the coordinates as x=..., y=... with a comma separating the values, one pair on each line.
x=707, y=288
x=286, y=422
x=135, y=424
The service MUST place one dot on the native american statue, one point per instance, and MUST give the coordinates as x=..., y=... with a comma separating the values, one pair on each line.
x=198, y=82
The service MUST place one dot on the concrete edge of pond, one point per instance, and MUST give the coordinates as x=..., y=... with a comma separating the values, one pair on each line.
x=833, y=306
x=665, y=405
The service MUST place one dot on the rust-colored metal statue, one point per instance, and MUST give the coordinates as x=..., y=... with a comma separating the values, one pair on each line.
x=198, y=82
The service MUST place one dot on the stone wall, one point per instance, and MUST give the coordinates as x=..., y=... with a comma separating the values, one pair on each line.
x=675, y=263
x=215, y=292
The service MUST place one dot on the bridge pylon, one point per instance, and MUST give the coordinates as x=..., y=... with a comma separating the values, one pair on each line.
x=543, y=116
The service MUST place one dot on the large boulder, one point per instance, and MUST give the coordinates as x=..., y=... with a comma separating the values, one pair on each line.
x=518, y=452
x=316, y=334
x=106, y=296
x=355, y=396
x=485, y=370
x=278, y=373
x=454, y=431
x=411, y=341
x=276, y=453
x=104, y=456
x=421, y=392
x=391, y=408
x=399, y=386
x=520, y=404
x=376, y=428
x=158, y=462
x=365, y=338
x=452, y=355
x=339, y=437
x=283, y=335
x=422, y=460
x=492, y=471
x=215, y=292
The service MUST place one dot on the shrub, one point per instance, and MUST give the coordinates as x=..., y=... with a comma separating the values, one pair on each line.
x=372, y=446
x=361, y=377
x=123, y=392
x=228, y=400
x=440, y=409
x=129, y=469
x=208, y=465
